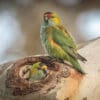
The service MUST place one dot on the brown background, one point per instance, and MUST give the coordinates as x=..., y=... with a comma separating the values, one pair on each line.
x=29, y=17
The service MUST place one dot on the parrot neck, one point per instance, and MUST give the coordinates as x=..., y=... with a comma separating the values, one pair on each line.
x=51, y=23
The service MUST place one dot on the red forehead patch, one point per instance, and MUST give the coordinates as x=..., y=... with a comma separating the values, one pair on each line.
x=47, y=14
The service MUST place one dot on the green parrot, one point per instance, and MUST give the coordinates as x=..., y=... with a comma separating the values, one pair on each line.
x=38, y=71
x=58, y=42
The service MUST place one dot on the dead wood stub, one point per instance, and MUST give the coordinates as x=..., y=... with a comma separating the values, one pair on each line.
x=3, y=67
x=20, y=86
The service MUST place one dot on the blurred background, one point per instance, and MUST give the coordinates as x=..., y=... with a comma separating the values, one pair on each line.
x=20, y=22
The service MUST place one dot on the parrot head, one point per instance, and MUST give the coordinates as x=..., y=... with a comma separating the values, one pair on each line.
x=43, y=67
x=39, y=66
x=51, y=18
x=38, y=71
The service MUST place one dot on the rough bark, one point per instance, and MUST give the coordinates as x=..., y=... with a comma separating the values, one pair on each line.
x=62, y=83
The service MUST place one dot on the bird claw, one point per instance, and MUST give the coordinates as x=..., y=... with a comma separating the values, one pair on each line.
x=52, y=60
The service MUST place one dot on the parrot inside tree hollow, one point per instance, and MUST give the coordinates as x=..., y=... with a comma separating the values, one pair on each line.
x=38, y=71
x=58, y=42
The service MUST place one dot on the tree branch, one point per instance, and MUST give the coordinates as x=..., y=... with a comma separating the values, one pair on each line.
x=62, y=82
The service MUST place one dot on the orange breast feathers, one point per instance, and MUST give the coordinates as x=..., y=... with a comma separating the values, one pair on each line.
x=53, y=44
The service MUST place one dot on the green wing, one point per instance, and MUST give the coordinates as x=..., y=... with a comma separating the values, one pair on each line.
x=35, y=65
x=64, y=41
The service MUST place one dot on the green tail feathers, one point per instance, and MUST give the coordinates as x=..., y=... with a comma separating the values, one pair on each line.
x=76, y=65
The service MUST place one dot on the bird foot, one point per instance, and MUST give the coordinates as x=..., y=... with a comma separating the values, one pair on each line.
x=52, y=60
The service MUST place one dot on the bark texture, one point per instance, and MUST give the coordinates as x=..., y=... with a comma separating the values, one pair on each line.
x=62, y=82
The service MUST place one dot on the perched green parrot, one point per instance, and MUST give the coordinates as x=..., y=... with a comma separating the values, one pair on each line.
x=58, y=42
x=38, y=71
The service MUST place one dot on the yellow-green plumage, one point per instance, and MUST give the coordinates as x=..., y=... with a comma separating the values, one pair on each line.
x=37, y=72
x=57, y=41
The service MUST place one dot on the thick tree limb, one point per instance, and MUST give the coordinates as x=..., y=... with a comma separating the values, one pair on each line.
x=62, y=82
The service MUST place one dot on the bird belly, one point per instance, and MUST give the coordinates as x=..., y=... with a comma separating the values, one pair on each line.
x=55, y=50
